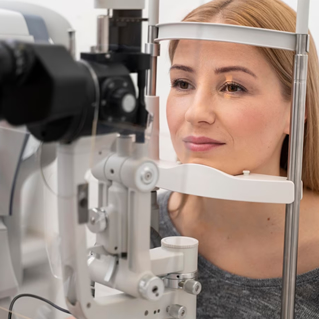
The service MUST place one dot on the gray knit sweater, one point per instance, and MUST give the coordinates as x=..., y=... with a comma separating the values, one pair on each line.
x=225, y=295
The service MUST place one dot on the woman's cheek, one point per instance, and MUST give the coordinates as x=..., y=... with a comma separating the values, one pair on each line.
x=244, y=122
x=175, y=115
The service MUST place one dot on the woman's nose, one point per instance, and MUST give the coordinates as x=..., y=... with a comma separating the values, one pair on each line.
x=201, y=110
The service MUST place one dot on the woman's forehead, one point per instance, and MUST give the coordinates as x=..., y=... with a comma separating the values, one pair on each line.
x=201, y=51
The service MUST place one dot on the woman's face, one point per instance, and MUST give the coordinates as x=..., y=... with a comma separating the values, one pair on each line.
x=226, y=108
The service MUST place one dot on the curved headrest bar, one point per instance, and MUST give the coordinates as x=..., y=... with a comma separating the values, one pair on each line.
x=227, y=33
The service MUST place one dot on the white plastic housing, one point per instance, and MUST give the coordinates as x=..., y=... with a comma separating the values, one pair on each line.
x=8, y=281
x=120, y=4
x=73, y=162
x=186, y=245
x=56, y=24
x=164, y=261
x=206, y=181
x=13, y=26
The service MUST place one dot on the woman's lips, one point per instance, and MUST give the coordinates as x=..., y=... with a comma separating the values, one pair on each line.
x=201, y=143
x=201, y=147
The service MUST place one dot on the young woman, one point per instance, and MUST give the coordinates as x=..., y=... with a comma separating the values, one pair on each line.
x=229, y=108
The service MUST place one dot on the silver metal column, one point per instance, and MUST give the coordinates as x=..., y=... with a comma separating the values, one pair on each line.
x=294, y=174
x=151, y=46
x=153, y=49
x=102, y=34
x=72, y=43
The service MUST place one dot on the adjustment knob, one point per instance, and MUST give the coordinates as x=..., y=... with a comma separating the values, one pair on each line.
x=191, y=286
x=98, y=221
x=151, y=287
x=177, y=311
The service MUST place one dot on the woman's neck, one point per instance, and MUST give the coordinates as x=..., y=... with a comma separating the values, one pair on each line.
x=233, y=217
x=247, y=238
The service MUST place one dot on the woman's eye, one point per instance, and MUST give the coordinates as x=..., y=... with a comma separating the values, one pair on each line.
x=181, y=85
x=233, y=88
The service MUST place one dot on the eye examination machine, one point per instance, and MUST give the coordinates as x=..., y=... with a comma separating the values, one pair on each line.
x=66, y=109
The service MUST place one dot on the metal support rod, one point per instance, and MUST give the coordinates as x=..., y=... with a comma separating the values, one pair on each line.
x=152, y=48
x=72, y=43
x=151, y=78
x=294, y=174
x=102, y=34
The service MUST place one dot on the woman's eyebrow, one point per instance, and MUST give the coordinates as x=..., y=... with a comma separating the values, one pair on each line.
x=234, y=68
x=182, y=68
x=217, y=71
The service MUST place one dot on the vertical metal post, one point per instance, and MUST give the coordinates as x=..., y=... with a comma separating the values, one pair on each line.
x=294, y=175
x=102, y=35
x=72, y=43
x=152, y=101
x=151, y=47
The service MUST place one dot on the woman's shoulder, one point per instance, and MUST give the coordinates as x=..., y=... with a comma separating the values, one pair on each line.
x=163, y=197
x=162, y=228
x=165, y=228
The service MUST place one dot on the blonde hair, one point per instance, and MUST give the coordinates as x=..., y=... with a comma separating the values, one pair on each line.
x=274, y=14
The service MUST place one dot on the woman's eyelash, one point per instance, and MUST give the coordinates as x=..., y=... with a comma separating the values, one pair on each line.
x=178, y=82
x=232, y=86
